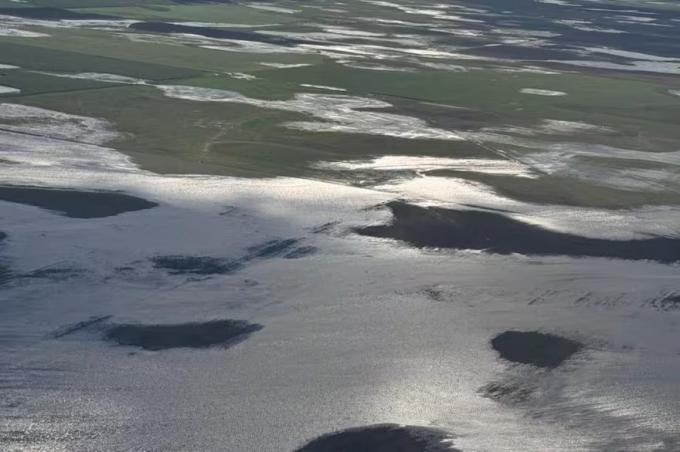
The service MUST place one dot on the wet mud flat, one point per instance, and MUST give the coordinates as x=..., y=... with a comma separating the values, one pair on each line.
x=538, y=349
x=182, y=335
x=75, y=204
x=381, y=438
x=492, y=232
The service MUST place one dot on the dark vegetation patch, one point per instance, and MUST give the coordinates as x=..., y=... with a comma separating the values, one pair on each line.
x=53, y=273
x=206, y=265
x=69, y=329
x=507, y=392
x=219, y=33
x=198, y=265
x=183, y=335
x=324, y=228
x=47, y=13
x=75, y=204
x=271, y=248
x=538, y=349
x=493, y=232
x=381, y=438
x=670, y=302
x=434, y=294
x=6, y=273
x=302, y=251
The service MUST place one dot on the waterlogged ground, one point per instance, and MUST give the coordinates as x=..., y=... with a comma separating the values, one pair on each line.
x=333, y=226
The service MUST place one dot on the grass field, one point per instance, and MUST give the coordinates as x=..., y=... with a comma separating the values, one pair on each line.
x=493, y=103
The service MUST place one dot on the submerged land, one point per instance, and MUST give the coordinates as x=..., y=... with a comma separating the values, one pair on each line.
x=339, y=225
x=75, y=204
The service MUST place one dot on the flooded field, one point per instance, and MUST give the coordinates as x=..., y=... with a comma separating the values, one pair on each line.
x=339, y=226
x=75, y=204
